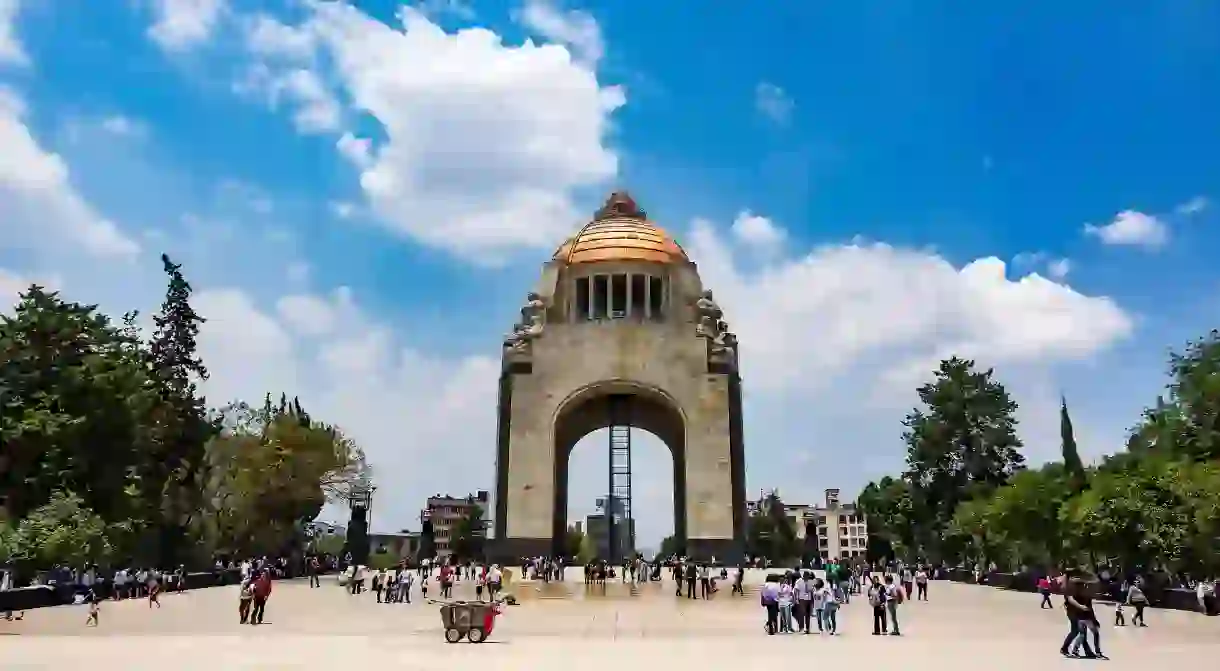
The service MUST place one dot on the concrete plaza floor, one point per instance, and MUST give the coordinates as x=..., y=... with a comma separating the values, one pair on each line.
x=563, y=626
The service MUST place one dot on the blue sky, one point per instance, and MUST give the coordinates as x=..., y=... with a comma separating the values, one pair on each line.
x=866, y=186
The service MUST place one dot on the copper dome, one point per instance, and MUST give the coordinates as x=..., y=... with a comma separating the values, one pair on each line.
x=620, y=231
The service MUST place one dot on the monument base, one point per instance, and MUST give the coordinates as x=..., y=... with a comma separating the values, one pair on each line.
x=726, y=551
x=511, y=551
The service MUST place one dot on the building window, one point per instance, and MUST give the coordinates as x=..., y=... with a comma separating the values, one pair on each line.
x=599, y=307
x=655, y=297
x=639, y=295
x=618, y=296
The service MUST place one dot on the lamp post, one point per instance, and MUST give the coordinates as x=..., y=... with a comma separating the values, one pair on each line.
x=360, y=500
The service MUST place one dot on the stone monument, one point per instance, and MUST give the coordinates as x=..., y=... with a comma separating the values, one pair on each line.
x=619, y=333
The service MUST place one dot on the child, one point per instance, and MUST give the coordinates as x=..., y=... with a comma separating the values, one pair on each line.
x=95, y=606
x=423, y=587
x=1119, y=619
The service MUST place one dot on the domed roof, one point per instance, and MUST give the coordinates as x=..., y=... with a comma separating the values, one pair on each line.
x=620, y=231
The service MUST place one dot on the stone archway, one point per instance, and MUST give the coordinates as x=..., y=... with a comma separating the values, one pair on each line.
x=620, y=311
x=590, y=409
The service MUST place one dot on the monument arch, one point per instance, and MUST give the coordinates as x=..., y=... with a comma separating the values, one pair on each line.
x=619, y=333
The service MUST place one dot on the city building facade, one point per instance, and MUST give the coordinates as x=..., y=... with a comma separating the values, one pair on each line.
x=446, y=513
x=599, y=532
x=834, y=530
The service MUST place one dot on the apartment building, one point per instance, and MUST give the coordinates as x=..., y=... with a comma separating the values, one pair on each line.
x=446, y=512
x=833, y=530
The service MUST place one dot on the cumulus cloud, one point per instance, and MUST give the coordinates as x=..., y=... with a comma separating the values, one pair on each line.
x=40, y=204
x=572, y=28
x=774, y=103
x=862, y=300
x=1131, y=228
x=757, y=232
x=11, y=51
x=182, y=24
x=485, y=142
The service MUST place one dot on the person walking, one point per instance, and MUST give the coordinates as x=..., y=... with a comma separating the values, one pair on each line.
x=828, y=615
x=1137, y=600
x=262, y=592
x=769, y=596
x=876, y=599
x=1079, y=608
x=895, y=595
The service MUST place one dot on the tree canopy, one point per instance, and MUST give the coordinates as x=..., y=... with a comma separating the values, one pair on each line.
x=111, y=454
x=966, y=496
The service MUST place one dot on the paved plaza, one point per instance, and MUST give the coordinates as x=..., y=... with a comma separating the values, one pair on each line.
x=561, y=626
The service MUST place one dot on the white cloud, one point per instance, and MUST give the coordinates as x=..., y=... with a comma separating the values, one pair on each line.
x=1131, y=228
x=1193, y=206
x=485, y=142
x=41, y=207
x=757, y=232
x=124, y=126
x=1054, y=268
x=575, y=29
x=805, y=320
x=436, y=9
x=1058, y=269
x=11, y=51
x=181, y=24
x=773, y=102
x=358, y=150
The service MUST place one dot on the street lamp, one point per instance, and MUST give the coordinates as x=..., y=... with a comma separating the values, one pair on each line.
x=360, y=500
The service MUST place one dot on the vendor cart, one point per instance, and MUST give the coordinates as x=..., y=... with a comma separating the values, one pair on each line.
x=473, y=621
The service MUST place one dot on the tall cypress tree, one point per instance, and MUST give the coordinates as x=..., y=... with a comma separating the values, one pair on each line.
x=183, y=428
x=1071, y=457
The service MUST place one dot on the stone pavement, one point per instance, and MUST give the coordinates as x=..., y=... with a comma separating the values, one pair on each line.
x=962, y=627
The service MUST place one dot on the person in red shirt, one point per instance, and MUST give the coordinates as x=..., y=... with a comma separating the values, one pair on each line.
x=1044, y=588
x=262, y=592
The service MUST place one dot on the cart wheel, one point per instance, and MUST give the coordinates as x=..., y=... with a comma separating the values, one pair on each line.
x=453, y=635
x=476, y=635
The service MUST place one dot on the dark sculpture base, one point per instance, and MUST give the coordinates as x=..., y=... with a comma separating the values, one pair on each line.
x=511, y=551
x=726, y=551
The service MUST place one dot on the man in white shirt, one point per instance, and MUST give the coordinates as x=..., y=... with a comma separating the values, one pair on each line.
x=493, y=581
x=802, y=591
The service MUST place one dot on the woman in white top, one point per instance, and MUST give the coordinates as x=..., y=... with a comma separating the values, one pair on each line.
x=818, y=593
x=829, y=607
x=785, y=607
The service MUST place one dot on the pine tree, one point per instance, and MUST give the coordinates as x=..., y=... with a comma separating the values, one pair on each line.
x=1071, y=457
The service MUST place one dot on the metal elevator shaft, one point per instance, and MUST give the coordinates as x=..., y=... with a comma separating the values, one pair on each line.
x=619, y=529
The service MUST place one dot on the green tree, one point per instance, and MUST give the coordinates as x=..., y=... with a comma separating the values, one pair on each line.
x=469, y=533
x=266, y=476
x=1187, y=421
x=671, y=546
x=1022, y=517
x=588, y=551
x=962, y=443
x=63, y=531
x=1071, y=456
x=1137, y=515
x=892, y=520
x=770, y=533
x=73, y=394
x=572, y=542
x=181, y=429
